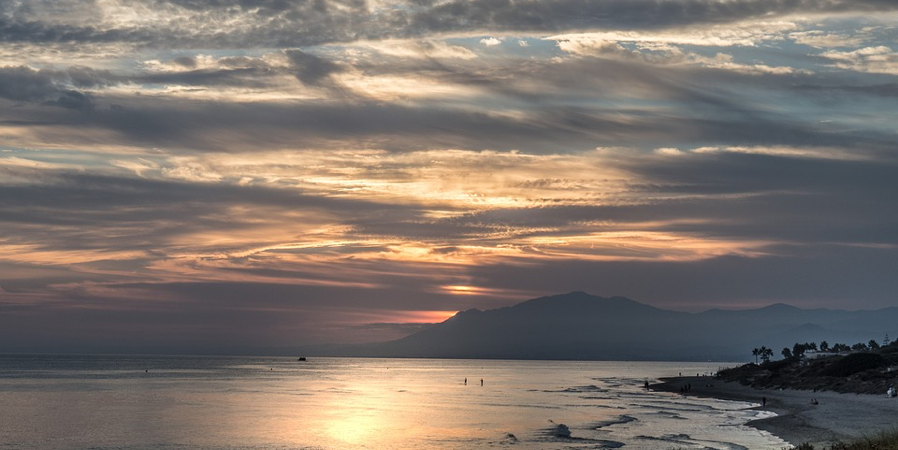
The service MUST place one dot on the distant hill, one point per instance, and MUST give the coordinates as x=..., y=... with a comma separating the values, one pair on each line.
x=581, y=326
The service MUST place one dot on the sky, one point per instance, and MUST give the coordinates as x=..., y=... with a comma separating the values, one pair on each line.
x=237, y=175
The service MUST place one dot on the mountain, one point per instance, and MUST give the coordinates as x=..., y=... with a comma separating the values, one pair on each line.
x=581, y=326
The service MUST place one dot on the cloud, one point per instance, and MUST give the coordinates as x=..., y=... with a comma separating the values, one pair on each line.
x=173, y=248
x=24, y=84
x=237, y=24
x=421, y=49
x=319, y=171
x=822, y=39
x=746, y=34
x=875, y=90
x=311, y=69
x=662, y=54
x=880, y=59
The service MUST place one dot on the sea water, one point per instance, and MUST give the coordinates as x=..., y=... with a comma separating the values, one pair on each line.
x=145, y=402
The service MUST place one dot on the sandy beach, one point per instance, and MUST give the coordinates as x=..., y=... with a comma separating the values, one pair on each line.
x=835, y=416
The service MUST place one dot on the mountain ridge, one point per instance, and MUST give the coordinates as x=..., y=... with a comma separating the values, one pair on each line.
x=581, y=326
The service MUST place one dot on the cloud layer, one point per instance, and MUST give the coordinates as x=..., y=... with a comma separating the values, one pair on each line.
x=260, y=174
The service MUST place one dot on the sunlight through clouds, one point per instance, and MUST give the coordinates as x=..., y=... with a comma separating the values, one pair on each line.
x=364, y=168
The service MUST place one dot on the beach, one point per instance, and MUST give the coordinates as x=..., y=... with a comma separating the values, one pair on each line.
x=835, y=417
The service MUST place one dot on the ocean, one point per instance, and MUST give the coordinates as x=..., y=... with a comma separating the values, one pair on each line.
x=183, y=402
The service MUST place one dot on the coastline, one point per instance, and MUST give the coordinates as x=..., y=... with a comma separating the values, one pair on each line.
x=836, y=417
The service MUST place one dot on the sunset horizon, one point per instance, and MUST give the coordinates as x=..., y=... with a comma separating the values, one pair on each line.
x=261, y=173
x=268, y=172
x=448, y=224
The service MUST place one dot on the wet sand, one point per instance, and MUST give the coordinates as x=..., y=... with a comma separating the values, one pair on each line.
x=836, y=417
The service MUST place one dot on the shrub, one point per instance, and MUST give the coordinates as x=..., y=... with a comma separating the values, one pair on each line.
x=855, y=363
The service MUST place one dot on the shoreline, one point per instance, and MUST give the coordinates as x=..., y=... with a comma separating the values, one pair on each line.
x=836, y=417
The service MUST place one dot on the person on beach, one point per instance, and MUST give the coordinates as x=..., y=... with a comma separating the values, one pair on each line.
x=481, y=381
x=646, y=384
x=763, y=401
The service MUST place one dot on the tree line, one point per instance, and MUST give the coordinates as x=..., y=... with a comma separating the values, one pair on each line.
x=798, y=350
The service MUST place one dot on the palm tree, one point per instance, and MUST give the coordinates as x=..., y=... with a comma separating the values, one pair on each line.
x=765, y=354
x=756, y=352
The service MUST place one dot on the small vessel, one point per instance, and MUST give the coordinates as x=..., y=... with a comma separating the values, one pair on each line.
x=301, y=358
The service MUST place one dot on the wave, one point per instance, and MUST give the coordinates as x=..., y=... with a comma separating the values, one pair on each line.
x=619, y=420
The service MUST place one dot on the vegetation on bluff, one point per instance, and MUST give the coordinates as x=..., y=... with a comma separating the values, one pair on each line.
x=870, y=368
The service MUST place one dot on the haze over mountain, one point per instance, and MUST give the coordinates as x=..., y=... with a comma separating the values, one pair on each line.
x=578, y=325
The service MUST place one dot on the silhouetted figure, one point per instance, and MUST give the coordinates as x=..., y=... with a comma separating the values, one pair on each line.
x=646, y=384
x=481, y=381
x=466, y=381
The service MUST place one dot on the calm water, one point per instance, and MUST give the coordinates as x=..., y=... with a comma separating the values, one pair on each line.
x=121, y=402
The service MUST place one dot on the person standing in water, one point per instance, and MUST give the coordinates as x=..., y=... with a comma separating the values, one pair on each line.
x=466, y=381
x=481, y=381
